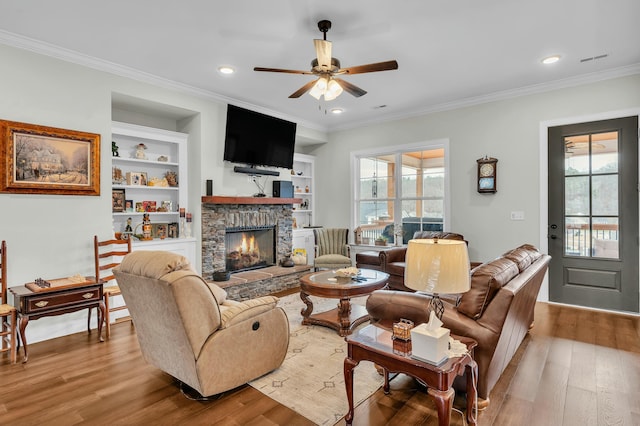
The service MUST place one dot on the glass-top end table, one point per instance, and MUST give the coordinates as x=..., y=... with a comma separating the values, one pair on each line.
x=375, y=344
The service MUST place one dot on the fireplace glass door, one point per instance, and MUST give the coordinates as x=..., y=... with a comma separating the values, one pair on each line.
x=249, y=248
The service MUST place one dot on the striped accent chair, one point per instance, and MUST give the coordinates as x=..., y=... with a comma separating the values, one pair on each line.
x=332, y=250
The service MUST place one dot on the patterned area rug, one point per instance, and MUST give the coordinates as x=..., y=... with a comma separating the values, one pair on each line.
x=310, y=381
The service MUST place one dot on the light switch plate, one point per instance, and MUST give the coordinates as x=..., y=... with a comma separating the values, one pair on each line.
x=517, y=215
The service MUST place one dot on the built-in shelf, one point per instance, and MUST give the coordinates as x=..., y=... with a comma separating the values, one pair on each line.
x=217, y=199
x=161, y=144
x=303, y=186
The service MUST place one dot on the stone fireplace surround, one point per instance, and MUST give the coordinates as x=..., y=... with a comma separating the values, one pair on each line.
x=219, y=213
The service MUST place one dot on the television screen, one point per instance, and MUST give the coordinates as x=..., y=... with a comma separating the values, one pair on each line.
x=258, y=139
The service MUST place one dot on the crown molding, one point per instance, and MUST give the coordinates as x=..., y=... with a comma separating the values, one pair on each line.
x=72, y=56
x=503, y=95
x=57, y=52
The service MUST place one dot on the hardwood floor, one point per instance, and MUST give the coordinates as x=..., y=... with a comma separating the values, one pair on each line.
x=577, y=367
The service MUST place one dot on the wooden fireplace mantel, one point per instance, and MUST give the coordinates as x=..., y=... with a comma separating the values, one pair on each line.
x=217, y=199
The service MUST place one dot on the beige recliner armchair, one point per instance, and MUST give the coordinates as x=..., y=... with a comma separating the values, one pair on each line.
x=188, y=329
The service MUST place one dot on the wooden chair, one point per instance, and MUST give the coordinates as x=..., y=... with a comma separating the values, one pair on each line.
x=8, y=314
x=108, y=254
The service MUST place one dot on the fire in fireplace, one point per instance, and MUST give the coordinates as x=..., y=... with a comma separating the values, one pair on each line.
x=249, y=248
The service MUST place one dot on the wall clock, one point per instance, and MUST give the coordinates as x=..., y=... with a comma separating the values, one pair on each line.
x=487, y=174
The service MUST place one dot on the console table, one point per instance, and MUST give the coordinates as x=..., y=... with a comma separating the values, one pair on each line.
x=61, y=298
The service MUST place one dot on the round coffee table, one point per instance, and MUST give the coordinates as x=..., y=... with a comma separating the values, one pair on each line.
x=345, y=317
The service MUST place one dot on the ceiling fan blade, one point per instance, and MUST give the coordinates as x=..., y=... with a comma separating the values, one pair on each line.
x=282, y=70
x=378, y=66
x=304, y=89
x=351, y=88
x=323, y=52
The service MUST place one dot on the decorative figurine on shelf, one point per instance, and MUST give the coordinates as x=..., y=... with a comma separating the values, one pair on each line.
x=128, y=230
x=114, y=149
x=187, y=229
x=146, y=227
x=182, y=230
x=172, y=178
x=140, y=155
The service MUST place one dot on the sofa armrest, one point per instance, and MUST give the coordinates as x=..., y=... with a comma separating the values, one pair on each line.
x=396, y=254
x=233, y=312
x=388, y=306
x=462, y=325
x=346, y=249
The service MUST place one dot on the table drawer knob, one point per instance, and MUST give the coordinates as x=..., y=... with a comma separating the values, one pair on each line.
x=42, y=303
x=87, y=295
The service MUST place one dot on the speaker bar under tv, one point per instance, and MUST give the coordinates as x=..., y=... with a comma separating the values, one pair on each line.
x=255, y=171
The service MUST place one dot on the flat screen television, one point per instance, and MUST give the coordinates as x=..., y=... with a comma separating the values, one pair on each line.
x=258, y=140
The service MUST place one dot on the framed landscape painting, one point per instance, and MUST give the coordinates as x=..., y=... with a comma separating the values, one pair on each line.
x=47, y=160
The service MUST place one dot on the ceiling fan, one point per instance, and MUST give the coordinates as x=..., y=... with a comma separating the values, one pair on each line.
x=327, y=68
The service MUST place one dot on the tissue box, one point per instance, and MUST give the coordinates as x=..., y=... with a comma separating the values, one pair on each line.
x=430, y=345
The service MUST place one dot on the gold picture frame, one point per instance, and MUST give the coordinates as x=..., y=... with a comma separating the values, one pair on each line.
x=47, y=160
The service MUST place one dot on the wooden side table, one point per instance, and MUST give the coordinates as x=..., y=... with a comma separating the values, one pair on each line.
x=56, y=300
x=374, y=344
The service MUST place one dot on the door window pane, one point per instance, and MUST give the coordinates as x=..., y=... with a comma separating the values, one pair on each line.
x=604, y=153
x=605, y=237
x=576, y=155
x=577, y=241
x=576, y=201
x=604, y=195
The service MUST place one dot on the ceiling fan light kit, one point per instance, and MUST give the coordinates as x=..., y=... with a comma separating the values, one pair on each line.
x=327, y=67
x=330, y=90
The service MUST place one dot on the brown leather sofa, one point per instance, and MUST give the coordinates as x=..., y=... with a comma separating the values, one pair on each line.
x=497, y=312
x=392, y=261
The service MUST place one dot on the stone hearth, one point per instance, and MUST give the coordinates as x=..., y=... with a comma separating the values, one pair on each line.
x=251, y=284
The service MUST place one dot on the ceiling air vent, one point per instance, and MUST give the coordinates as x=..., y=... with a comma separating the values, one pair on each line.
x=594, y=58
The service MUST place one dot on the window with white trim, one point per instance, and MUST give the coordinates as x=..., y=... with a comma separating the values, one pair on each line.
x=398, y=193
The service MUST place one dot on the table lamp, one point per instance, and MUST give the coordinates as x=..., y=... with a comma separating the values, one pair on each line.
x=437, y=266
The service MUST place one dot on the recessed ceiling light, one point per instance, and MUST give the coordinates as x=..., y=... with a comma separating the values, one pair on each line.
x=551, y=59
x=337, y=111
x=225, y=69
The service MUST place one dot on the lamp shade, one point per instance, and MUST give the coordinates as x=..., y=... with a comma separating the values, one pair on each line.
x=437, y=266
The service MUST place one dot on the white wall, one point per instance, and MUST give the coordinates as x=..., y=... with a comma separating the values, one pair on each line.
x=508, y=130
